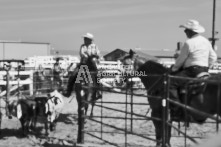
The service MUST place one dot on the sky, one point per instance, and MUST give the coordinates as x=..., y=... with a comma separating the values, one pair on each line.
x=151, y=25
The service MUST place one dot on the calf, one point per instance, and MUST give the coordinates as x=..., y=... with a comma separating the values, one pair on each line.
x=49, y=109
x=40, y=112
x=29, y=111
x=54, y=106
x=25, y=111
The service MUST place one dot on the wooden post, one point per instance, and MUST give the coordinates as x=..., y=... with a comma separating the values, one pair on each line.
x=165, y=113
x=31, y=87
x=7, y=92
x=81, y=119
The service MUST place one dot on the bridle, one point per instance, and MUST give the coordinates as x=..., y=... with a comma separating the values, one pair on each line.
x=134, y=62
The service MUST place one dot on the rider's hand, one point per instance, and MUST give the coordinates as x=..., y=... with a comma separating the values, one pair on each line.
x=171, y=70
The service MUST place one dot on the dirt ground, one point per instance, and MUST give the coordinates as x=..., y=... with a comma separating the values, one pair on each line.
x=66, y=129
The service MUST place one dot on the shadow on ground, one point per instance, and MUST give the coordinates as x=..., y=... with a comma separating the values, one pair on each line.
x=67, y=118
x=11, y=132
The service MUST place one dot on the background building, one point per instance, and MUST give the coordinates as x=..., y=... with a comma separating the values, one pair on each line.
x=118, y=54
x=22, y=50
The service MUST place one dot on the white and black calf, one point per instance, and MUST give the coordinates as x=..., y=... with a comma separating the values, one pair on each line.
x=44, y=109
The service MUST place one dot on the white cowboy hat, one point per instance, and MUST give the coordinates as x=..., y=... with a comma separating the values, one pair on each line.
x=88, y=35
x=194, y=26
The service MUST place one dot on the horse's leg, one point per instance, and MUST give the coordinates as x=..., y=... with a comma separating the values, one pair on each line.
x=198, y=103
x=85, y=100
x=34, y=123
x=169, y=128
x=86, y=108
x=92, y=109
x=159, y=128
x=22, y=126
x=46, y=126
x=26, y=125
x=93, y=102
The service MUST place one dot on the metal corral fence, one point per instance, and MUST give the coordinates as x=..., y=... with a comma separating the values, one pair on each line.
x=120, y=123
x=17, y=83
x=29, y=82
x=125, y=120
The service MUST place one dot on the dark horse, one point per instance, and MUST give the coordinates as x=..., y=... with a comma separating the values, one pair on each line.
x=83, y=82
x=154, y=86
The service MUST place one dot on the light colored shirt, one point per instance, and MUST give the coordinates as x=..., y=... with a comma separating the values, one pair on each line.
x=195, y=51
x=85, y=51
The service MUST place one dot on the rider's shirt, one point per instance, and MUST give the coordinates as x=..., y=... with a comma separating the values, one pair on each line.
x=87, y=51
x=196, y=51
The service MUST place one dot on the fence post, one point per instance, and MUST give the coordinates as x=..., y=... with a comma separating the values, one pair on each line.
x=81, y=119
x=131, y=104
x=165, y=113
x=31, y=85
x=218, y=108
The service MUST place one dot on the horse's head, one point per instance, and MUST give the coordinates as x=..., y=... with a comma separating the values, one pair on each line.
x=147, y=68
x=135, y=60
x=92, y=62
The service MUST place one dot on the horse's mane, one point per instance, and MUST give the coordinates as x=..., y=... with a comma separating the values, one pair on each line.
x=154, y=71
x=153, y=67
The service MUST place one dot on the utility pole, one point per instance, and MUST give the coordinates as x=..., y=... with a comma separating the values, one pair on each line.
x=213, y=39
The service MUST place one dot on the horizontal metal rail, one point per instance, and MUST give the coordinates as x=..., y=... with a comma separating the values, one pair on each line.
x=120, y=129
x=195, y=110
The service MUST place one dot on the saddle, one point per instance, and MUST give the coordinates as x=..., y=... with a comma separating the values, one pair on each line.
x=196, y=87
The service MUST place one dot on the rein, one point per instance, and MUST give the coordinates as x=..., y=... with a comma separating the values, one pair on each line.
x=154, y=84
x=140, y=62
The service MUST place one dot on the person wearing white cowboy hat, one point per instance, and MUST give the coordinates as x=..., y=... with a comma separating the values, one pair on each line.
x=194, y=26
x=89, y=36
x=88, y=49
x=196, y=56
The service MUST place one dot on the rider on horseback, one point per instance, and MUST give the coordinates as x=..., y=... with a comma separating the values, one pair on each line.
x=88, y=50
x=196, y=56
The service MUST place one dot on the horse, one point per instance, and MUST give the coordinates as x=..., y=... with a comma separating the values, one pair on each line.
x=206, y=101
x=83, y=81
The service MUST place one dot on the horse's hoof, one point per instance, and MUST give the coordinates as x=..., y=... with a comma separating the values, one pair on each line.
x=91, y=116
x=24, y=134
x=160, y=145
x=99, y=96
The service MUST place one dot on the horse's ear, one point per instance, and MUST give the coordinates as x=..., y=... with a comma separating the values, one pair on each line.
x=131, y=52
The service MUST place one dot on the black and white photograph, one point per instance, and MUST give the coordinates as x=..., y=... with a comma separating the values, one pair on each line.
x=110, y=73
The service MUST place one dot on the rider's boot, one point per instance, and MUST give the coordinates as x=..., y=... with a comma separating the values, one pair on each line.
x=71, y=82
x=70, y=86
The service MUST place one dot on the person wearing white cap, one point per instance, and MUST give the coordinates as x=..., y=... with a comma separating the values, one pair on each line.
x=196, y=56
